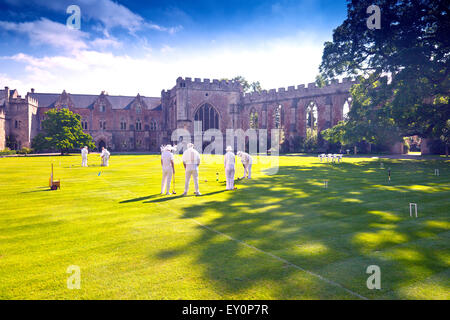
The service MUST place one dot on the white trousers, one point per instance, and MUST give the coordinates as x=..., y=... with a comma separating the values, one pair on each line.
x=229, y=172
x=84, y=161
x=105, y=161
x=194, y=173
x=166, y=180
x=248, y=170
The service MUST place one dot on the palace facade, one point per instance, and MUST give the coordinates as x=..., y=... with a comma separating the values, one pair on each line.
x=140, y=123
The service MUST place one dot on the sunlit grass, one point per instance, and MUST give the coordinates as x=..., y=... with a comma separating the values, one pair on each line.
x=132, y=243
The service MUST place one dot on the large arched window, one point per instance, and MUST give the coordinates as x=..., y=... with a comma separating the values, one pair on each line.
x=208, y=116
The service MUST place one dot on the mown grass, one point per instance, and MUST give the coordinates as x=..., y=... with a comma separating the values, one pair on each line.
x=270, y=239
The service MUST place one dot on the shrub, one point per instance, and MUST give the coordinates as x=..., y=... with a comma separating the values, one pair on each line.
x=7, y=151
x=25, y=150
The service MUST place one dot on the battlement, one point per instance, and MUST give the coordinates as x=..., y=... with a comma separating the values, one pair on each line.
x=301, y=90
x=32, y=100
x=208, y=84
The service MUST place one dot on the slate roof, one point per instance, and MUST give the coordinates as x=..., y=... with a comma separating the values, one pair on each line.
x=87, y=100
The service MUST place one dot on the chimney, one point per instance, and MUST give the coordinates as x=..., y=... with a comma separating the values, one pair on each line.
x=7, y=93
x=32, y=90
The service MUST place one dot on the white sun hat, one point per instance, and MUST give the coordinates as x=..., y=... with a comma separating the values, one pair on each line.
x=239, y=153
x=168, y=147
x=190, y=145
x=229, y=148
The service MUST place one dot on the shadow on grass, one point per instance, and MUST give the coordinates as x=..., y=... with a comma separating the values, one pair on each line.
x=169, y=198
x=141, y=198
x=336, y=232
x=41, y=189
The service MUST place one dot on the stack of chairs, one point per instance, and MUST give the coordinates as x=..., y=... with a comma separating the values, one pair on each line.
x=337, y=157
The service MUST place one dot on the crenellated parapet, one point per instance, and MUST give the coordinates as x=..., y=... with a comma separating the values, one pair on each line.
x=207, y=84
x=301, y=91
x=32, y=101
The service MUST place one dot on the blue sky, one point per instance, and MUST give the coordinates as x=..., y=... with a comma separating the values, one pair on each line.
x=128, y=47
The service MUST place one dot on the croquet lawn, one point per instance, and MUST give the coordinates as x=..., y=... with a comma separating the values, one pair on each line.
x=280, y=236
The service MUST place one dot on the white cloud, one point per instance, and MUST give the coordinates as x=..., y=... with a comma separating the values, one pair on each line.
x=110, y=13
x=276, y=63
x=45, y=31
x=106, y=43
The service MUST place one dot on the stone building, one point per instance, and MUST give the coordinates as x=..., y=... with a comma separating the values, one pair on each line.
x=125, y=123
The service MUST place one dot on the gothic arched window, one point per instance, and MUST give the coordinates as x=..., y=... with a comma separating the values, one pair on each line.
x=153, y=125
x=208, y=116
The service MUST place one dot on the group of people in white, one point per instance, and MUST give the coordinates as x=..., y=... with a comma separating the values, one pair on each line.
x=104, y=156
x=330, y=157
x=191, y=162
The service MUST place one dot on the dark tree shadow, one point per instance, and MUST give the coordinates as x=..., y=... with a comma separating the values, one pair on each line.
x=361, y=219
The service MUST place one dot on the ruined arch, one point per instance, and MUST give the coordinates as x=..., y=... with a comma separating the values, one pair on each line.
x=312, y=115
x=278, y=117
x=346, y=108
x=253, y=119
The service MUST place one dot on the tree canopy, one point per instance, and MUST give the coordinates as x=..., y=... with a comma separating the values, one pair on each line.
x=62, y=131
x=403, y=68
x=254, y=86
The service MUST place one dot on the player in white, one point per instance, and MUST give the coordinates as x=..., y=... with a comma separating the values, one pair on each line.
x=105, y=157
x=229, y=162
x=247, y=163
x=168, y=169
x=84, y=156
x=191, y=161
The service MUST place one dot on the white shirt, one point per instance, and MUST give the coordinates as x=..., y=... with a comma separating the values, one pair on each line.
x=84, y=152
x=246, y=158
x=166, y=158
x=229, y=160
x=105, y=153
x=191, y=158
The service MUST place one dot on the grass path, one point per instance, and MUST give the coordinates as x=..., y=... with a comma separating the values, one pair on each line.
x=282, y=236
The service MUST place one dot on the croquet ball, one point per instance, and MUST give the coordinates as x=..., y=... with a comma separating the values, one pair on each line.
x=206, y=180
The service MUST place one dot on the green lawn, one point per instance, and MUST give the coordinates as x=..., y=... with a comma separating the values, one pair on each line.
x=283, y=236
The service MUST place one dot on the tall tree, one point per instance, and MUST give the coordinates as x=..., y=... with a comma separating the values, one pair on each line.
x=404, y=65
x=62, y=131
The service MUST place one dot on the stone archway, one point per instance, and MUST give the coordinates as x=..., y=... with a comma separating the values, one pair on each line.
x=101, y=144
